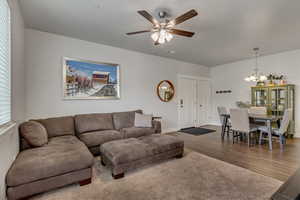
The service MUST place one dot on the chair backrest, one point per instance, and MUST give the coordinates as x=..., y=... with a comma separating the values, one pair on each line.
x=258, y=110
x=240, y=120
x=222, y=110
x=287, y=117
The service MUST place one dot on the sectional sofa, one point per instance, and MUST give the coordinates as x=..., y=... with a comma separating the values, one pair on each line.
x=67, y=157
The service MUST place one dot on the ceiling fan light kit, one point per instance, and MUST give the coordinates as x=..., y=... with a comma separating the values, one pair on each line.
x=163, y=32
x=161, y=36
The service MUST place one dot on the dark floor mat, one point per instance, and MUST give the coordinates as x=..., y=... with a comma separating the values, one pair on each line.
x=196, y=131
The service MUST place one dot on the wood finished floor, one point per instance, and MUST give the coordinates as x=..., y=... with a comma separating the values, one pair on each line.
x=277, y=164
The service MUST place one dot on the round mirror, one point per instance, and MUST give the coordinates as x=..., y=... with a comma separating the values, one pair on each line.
x=165, y=91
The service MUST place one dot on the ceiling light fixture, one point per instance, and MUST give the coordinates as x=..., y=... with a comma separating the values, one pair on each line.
x=256, y=76
x=163, y=30
x=161, y=35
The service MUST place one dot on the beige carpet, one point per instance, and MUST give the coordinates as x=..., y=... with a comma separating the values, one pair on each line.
x=195, y=176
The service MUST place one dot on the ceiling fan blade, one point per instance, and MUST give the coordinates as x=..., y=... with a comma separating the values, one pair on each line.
x=137, y=32
x=149, y=17
x=188, y=15
x=181, y=32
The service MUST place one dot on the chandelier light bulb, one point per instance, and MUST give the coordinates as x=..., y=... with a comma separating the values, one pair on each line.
x=252, y=78
x=263, y=78
x=247, y=79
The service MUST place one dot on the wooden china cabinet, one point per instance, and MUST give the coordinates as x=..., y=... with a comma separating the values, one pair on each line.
x=276, y=98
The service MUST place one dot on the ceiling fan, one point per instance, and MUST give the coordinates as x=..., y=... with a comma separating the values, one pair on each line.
x=163, y=31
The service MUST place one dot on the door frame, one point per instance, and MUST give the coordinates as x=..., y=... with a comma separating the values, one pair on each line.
x=208, y=110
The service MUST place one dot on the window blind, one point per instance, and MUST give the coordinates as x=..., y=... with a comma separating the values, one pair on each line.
x=5, y=85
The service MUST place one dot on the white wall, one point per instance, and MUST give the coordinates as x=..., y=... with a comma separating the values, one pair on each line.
x=9, y=142
x=18, y=63
x=231, y=76
x=140, y=74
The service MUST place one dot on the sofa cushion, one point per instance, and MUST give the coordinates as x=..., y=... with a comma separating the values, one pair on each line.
x=124, y=119
x=162, y=143
x=34, y=133
x=93, y=122
x=61, y=155
x=58, y=126
x=97, y=138
x=135, y=132
x=142, y=120
x=124, y=151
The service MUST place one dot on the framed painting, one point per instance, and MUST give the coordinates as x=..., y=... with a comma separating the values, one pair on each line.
x=83, y=79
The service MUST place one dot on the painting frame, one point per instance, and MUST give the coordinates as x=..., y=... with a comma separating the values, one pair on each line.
x=64, y=80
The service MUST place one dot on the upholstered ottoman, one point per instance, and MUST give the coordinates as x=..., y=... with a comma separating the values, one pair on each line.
x=123, y=155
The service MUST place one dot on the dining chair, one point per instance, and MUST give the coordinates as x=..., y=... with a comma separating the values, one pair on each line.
x=258, y=110
x=240, y=124
x=222, y=110
x=278, y=132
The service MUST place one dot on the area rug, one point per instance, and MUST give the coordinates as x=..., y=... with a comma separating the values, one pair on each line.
x=193, y=177
x=196, y=131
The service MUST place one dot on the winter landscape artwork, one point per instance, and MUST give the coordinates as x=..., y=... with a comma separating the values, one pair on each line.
x=90, y=80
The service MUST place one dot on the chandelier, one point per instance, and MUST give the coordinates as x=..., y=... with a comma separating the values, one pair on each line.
x=256, y=76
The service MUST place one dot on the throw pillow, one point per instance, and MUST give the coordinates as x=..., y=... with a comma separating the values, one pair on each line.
x=34, y=133
x=142, y=120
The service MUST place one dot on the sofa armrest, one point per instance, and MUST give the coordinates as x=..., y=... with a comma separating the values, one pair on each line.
x=157, y=126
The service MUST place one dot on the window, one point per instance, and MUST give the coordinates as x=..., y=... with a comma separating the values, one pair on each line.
x=5, y=64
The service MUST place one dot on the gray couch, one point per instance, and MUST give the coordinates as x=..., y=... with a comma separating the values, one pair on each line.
x=68, y=156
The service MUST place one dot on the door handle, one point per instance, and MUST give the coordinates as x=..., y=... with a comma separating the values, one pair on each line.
x=181, y=103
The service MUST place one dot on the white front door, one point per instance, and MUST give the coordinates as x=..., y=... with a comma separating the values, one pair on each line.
x=193, y=101
x=203, y=99
x=187, y=102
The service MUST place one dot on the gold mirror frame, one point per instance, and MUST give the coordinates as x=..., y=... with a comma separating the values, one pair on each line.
x=172, y=90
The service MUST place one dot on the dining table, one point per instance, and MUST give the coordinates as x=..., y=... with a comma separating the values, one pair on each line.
x=268, y=119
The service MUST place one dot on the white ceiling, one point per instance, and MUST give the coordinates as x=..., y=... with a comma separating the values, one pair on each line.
x=226, y=30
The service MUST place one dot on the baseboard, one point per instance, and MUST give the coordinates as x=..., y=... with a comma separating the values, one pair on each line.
x=169, y=130
x=214, y=124
x=296, y=135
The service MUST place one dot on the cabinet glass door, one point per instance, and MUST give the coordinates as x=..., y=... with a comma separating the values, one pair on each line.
x=261, y=97
x=278, y=100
